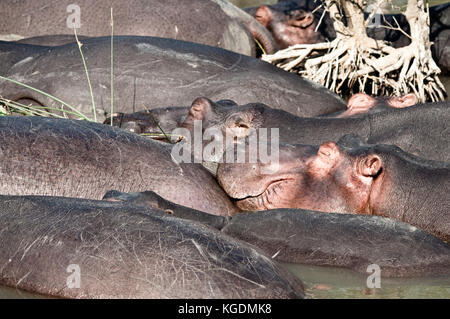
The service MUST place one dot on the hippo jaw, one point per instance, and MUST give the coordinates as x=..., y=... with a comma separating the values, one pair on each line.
x=277, y=194
x=327, y=179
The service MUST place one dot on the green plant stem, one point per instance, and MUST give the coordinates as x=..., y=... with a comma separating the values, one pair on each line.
x=157, y=124
x=87, y=76
x=47, y=95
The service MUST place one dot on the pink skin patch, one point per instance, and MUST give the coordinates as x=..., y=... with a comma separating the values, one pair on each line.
x=362, y=103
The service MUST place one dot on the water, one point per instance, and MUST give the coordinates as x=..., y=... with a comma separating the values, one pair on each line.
x=12, y=293
x=331, y=282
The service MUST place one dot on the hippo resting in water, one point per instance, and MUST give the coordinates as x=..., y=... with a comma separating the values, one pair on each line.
x=153, y=72
x=418, y=129
x=44, y=156
x=323, y=239
x=217, y=21
x=128, y=251
x=347, y=177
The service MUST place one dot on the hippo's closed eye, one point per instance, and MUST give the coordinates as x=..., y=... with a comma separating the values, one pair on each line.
x=132, y=127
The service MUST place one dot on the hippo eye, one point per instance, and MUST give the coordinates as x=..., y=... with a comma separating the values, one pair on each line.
x=242, y=125
x=132, y=127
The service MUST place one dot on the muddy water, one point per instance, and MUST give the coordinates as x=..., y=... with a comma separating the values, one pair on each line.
x=330, y=282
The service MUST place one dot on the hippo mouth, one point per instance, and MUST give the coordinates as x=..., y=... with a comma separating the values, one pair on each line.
x=273, y=196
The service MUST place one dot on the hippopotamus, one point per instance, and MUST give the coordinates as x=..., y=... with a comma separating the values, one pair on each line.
x=418, y=129
x=52, y=40
x=295, y=22
x=153, y=72
x=80, y=248
x=71, y=158
x=182, y=20
x=160, y=120
x=349, y=176
x=324, y=239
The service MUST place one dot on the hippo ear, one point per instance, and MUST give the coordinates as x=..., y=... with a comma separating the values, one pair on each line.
x=370, y=165
x=263, y=15
x=198, y=111
x=403, y=101
x=360, y=102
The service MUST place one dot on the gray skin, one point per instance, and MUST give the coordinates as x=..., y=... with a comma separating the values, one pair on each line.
x=322, y=239
x=160, y=120
x=52, y=40
x=128, y=251
x=218, y=22
x=419, y=129
x=152, y=72
x=347, y=177
x=149, y=198
x=57, y=157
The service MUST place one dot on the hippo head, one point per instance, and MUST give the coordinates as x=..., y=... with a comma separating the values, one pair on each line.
x=160, y=122
x=332, y=177
x=223, y=114
x=149, y=122
x=362, y=103
x=227, y=117
x=290, y=22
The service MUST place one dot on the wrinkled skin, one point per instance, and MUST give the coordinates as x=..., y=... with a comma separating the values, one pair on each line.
x=347, y=177
x=128, y=251
x=418, y=129
x=182, y=20
x=151, y=199
x=153, y=72
x=57, y=157
x=322, y=239
x=293, y=22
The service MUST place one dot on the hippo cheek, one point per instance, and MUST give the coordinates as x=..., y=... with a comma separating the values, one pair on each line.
x=279, y=194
